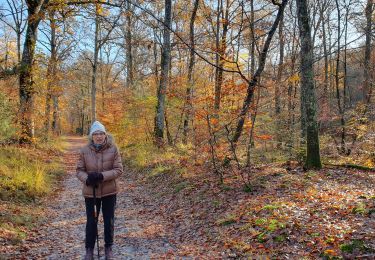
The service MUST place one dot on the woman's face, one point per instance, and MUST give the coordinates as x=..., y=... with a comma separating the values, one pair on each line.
x=98, y=137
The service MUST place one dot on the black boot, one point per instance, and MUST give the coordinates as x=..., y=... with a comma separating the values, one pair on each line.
x=109, y=253
x=89, y=254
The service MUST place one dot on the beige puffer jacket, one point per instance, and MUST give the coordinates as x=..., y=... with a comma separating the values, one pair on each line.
x=107, y=160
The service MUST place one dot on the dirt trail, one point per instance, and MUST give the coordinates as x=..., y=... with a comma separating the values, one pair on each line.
x=62, y=236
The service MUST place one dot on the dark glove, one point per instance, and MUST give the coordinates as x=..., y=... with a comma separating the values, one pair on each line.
x=99, y=177
x=91, y=179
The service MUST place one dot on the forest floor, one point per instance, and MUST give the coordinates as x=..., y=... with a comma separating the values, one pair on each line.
x=287, y=214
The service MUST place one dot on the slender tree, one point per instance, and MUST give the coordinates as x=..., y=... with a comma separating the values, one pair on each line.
x=128, y=47
x=279, y=84
x=164, y=74
x=221, y=46
x=51, y=70
x=190, y=72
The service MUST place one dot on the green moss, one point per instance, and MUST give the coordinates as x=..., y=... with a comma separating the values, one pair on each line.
x=355, y=245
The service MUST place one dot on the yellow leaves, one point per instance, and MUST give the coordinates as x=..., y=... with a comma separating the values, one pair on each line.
x=101, y=11
x=295, y=78
x=370, y=163
x=330, y=252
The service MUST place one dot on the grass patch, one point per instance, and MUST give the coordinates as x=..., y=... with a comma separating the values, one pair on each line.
x=156, y=162
x=270, y=207
x=24, y=176
x=230, y=219
x=248, y=188
x=27, y=173
x=160, y=169
x=180, y=186
x=360, y=208
x=268, y=229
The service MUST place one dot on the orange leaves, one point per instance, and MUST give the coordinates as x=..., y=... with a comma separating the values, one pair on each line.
x=330, y=252
x=263, y=137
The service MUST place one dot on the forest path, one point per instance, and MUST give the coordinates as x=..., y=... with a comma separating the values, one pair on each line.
x=137, y=235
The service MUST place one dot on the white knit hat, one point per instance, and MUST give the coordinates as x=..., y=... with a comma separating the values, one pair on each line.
x=97, y=126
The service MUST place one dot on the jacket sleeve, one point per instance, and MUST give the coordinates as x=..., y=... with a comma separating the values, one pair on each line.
x=117, y=168
x=81, y=168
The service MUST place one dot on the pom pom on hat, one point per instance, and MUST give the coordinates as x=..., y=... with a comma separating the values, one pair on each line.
x=97, y=126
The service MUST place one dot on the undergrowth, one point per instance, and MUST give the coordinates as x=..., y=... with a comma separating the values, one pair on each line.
x=27, y=175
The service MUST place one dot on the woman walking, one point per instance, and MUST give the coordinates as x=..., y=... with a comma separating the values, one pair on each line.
x=98, y=167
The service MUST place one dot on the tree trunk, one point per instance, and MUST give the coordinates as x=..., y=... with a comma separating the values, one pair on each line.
x=308, y=95
x=95, y=65
x=340, y=103
x=51, y=73
x=221, y=49
x=19, y=46
x=155, y=52
x=278, y=85
x=252, y=38
x=367, y=59
x=326, y=64
x=165, y=59
x=27, y=88
x=190, y=80
x=128, y=43
x=292, y=92
x=56, y=116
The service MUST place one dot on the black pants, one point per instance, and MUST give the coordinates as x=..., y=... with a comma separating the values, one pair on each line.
x=108, y=204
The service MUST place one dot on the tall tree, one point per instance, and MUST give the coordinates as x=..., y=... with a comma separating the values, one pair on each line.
x=51, y=70
x=368, y=31
x=128, y=47
x=97, y=46
x=308, y=95
x=36, y=9
x=190, y=73
x=221, y=46
x=279, y=84
x=322, y=8
x=164, y=75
